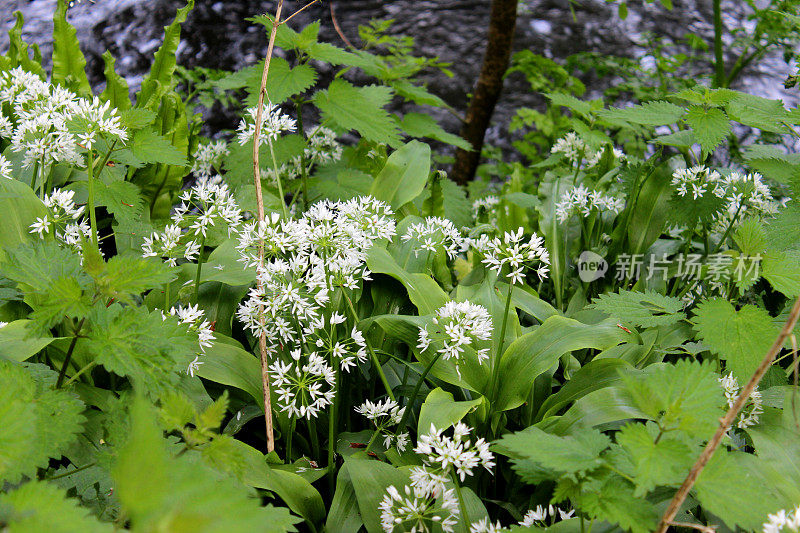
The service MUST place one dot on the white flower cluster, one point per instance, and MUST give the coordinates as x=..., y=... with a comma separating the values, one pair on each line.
x=207, y=156
x=65, y=220
x=40, y=114
x=575, y=151
x=6, y=168
x=457, y=326
x=322, y=148
x=196, y=319
x=202, y=206
x=788, y=520
x=484, y=206
x=581, y=201
x=427, y=501
x=305, y=260
x=752, y=409
x=542, y=516
x=697, y=181
x=384, y=415
x=486, y=526
x=273, y=123
x=514, y=252
x=435, y=232
x=748, y=195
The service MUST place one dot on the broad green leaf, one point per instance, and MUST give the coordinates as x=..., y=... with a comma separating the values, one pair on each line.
x=42, y=506
x=710, y=126
x=593, y=376
x=18, y=343
x=282, y=82
x=38, y=422
x=740, y=337
x=116, y=90
x=777, y=445
x=570, y=102
x=612, y=499
x=343, y=515
x=404, y=176
x=423, y=291
x=371, y=479
x=782, y=272
x=442, y=411
x=20, y=208
x=360, y=109
x=416, y=94
x=422, y=125
x=762, y=113
x=149, y=147
x=657, y=113
x=228, y=364
x=535, y=352
x=646, y=309
x=69, y=65
x=664, y=462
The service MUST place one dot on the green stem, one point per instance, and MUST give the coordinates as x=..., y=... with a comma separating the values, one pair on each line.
x=92, y=215
x=70, y=472
x=333, y=435
x=298, y=104
x=727, y=230
x=278, y=179
x=719, y=60
x=413, y=397
x=372, y=440
x=78, y=374
x=199, y=270
x=375, y=362
x=67, y=359
x=461, y=505
x=292, y=427
x=499, y=354
x=314, y=436
x=166, y=297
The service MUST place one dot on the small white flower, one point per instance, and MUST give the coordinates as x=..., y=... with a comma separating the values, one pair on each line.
x=514, y=252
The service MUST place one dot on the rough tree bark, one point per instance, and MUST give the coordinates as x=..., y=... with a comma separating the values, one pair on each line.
x=502, y=21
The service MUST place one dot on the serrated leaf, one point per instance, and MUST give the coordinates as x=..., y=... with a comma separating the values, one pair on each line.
x=657, y=113
x=211, y=418
x=126, y=276
x=683, y=396
x=69, y=64
x=38, y=422
x=570, y=102
x=740, y=337
x=283, y=81
x=756, y=112
x=782, y=272
x=360, y=109
x=120, y=198
x=116, y=90
x=41, y=506
x=710, y=126
x=646, y=309
x=665, y=462
x=417, y=94
x=422, y=125
x=612, y=499
x=149, y=147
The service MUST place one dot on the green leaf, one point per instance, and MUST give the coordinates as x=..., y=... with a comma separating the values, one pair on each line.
x=41, y=506
x=646, y=309
x=570, y=102
x=116, y=90
x=442, y=411
x=416, y=94
x=126, y=276
x=20, y=208
x=404, y=176
x=593, y=376
x=612, y=499
x=665, y=462
x=422, y=125
x=684, y=396
x=782, y=272
x=762, y=113
x=710, y=126
x=533, y=353
x=283, y=81
x=657, y=113
x=147, y=146
x=372, y=478
x=38, y=422
x=577, y=453
x=360, y=109
x=741, y=337
x=18, y=343
x=159, y=79
x=159, y=491
x=228, y=364
x=69, y=65
x=423, y=291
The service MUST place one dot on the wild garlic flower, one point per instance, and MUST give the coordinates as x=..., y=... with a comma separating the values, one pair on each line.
x=572, y=146
x=326, y=340
x=195, y=318
x=409, y=513
x=747, y=196
x=171, y=245
x=783, y=520
x=205, y=205
x=65, y=220
x=593, y=159
x=322, y=146
x=583, y=202
x=3, y=324
x=698, y=181
x=457, y=453
x=514, y=252
x=749, y=416
x=484, y=207
x=277, y=237
x=305, y=385
x=6, y=169
x=385, y=415
x=434, y=233
x=206, y=157
x=544, y=516
x=273, y=123
x=485, y=526
x=458, y=325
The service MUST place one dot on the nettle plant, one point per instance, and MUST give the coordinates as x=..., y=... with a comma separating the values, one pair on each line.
x=436, y=358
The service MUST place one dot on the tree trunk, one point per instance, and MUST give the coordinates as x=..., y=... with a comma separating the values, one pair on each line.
x=502, y=22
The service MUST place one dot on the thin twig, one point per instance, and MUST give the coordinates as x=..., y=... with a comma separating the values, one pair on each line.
x=262, y=341
x=339, y=29
x=726, y=421
x=699, y=527
x=290, y=17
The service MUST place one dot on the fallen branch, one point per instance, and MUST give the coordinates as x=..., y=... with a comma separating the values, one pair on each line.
x=262, y=341
x=726, y=421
